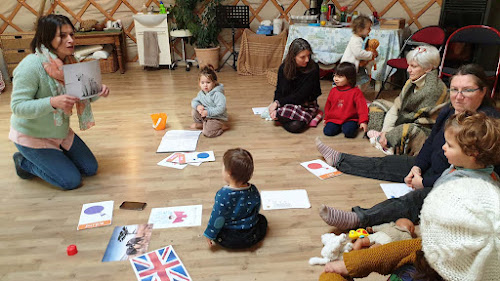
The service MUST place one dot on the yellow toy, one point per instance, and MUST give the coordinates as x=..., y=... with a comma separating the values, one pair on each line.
x=358, y=233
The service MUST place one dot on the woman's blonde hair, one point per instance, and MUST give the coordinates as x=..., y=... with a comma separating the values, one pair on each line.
x=427, y=56
x=477, y=135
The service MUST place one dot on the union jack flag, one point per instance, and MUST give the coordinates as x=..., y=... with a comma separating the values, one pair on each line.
x=160, y=265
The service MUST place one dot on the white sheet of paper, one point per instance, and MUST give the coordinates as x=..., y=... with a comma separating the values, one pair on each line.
x=95, y=215
x=395, y=190
x=285, y=199
x=180, y=216
x=164, y=163
x=179, y=140
x=258, y=110
x=83, y=80
x=197, y=164
x=198, y=157
x=320, y=169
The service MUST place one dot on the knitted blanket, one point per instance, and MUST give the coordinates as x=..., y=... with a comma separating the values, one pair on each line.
x=258, y=53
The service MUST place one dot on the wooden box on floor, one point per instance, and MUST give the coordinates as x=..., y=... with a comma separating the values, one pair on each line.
x=15, y=46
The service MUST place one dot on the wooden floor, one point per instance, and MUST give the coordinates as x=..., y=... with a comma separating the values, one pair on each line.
x=38, y=221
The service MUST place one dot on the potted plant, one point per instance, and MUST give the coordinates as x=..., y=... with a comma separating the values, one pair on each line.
x=203, y=28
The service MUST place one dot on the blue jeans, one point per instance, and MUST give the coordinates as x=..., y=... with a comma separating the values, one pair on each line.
x=350, y=129
x=64, y=168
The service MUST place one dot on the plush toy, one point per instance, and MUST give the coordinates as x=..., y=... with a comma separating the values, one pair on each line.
x=335, y=246
x=371, y=46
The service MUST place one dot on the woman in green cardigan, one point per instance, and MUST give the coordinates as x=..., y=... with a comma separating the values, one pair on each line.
x=41, y=108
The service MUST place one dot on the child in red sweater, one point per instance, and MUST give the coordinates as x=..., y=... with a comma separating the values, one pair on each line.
x=346, y=105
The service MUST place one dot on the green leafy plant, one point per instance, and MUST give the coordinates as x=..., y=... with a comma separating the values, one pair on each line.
x=204, y=27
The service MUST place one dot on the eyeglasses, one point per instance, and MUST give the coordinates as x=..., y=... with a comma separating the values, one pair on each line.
x=464, y=92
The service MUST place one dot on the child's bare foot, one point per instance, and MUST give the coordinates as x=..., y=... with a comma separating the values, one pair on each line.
x=197, y=126
x=225, y=127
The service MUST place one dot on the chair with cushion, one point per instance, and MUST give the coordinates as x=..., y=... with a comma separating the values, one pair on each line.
x=432, y=35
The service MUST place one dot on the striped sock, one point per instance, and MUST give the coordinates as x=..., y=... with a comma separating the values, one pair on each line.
x=340, y=219
x=332, y=157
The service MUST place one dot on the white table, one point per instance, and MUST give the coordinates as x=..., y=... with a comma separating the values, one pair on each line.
x=328, y=44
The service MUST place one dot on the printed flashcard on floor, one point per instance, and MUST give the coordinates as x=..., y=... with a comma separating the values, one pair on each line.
x=127, y=242
x=320, y=169
x=285, y=199
x=180, y=216
x=165, y=163
x=395, y=190
x=95, y=215
x=161, y=264
x=179, y=140
x=258, y=110
x=199, y=157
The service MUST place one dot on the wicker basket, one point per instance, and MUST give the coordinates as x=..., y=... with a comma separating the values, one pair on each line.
x=108, y=65
x=272, y=76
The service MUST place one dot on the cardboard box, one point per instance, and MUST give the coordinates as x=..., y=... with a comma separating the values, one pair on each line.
x=392, y=23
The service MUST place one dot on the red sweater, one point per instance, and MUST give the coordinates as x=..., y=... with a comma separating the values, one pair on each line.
x=346, y=104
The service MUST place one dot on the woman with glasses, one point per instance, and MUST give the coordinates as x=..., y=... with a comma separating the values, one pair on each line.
x=468, y=91
x=41, y=110
x=402, y=127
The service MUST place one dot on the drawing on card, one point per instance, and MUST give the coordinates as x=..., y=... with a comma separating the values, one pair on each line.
x=83, y=80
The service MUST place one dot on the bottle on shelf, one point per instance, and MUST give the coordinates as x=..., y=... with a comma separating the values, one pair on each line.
x=163, y=10
x=324, y=13
x=343, y=14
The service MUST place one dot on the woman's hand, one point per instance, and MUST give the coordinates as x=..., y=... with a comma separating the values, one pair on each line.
x=364, y=126
x=273, y=106
x=336, y=267
x=417, y=182
x=104, y=92
x=415, y=171
x=64, y=102
x=383, y=140
x=272, y=110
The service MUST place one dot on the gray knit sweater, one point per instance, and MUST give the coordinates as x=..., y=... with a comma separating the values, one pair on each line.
x=213, y=101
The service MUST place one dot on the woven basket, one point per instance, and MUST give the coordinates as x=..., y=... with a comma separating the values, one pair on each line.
x=108, y=65
x=272, y=76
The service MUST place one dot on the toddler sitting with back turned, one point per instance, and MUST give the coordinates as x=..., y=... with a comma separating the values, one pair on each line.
x=235, y=221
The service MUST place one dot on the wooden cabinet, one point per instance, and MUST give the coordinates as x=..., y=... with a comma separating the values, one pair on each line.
x=15, y=46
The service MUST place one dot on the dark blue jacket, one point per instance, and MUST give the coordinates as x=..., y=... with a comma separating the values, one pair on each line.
x=431, y=158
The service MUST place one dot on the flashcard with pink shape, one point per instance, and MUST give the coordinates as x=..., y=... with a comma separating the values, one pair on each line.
x=320, y=169
x=180, y=216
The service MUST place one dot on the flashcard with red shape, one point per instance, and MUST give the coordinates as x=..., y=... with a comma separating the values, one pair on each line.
x=180, y=216
x=320, y=169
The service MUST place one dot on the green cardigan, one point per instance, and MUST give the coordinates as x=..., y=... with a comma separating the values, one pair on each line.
x=32, y=113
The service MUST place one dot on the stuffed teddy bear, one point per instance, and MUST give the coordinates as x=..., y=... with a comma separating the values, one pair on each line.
x=335, y=246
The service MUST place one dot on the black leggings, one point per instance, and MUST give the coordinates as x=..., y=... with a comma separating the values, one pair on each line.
x=292, y=126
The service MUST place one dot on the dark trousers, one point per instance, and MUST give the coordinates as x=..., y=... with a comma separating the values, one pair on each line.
x=350, y=129
x=389, y=168
x=292, y=126
x=243, y=238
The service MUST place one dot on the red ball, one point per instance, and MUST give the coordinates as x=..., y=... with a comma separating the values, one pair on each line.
x=71, y=250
